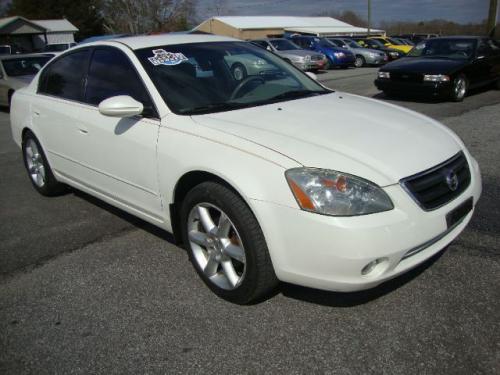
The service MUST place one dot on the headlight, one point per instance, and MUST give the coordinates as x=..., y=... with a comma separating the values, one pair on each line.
x=339, y=54
x=259, y=62
x=394, y=54
x=296, y=58
x=436, y=78
x=335, y=193
x=386, y=75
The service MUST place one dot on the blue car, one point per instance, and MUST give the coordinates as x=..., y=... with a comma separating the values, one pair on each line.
x=337, y=57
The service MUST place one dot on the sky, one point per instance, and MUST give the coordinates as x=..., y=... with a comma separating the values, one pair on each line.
x=462, y=11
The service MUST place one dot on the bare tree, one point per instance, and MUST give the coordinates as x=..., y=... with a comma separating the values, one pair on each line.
x=147, y=16
x=219, y=8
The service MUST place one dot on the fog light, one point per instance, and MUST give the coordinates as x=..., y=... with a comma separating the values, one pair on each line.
x=377, y=265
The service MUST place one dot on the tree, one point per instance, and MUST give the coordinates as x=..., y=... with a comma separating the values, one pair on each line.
x=147, y=16
x=85, y=15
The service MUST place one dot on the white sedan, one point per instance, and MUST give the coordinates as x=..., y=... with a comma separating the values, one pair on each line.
x=17, y=71
x=273, y=177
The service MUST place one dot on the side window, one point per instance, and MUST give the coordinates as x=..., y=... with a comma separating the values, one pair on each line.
x=63, y=78
x=110, y=74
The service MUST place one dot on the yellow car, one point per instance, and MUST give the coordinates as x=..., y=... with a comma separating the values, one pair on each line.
x=391, y=43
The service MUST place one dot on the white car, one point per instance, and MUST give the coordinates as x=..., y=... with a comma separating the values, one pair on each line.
x=270, y=178
x=17, y=71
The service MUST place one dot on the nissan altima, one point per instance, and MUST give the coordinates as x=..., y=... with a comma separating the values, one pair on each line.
x=267, y=178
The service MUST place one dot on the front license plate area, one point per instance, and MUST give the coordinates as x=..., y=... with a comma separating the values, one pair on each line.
x=456, y=215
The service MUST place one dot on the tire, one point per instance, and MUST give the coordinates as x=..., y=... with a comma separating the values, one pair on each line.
x=459, y=88
x=239, y=72
x=38, y=168
x=243, y=275
x=359, y=62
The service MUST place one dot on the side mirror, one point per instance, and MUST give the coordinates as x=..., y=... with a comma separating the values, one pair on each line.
x=120, y=106
x=312, y=75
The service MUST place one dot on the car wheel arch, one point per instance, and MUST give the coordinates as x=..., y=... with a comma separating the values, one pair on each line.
x=182, y=187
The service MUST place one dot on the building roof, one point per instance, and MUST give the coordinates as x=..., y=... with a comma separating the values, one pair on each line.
x=332, y=31
x=278, y=22
x=62, y=25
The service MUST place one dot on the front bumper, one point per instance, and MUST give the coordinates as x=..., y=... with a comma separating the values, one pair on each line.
x=347, y=60
x=329, y=253
x=377, y=60
x=435, y=89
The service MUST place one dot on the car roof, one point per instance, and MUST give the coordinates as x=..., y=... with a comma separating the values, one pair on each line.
x=139, y=42
x=24, y=55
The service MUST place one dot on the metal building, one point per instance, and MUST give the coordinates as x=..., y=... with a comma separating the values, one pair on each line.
x=252, y=27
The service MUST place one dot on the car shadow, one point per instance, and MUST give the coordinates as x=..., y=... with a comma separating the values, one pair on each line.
x=338, y=299
x=131, y=219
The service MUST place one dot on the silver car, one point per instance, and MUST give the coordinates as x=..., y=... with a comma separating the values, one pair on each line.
x=17, y=71
x=289, y=51
x=364, y=56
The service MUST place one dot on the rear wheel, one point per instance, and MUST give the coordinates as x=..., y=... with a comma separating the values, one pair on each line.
x=38, y=168
x=459, y=88
x=359, y=62
x=226, y=245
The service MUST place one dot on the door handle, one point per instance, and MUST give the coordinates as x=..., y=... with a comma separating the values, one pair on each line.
x=83, y=131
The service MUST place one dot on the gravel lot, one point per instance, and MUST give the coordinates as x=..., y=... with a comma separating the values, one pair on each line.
x=86, y=288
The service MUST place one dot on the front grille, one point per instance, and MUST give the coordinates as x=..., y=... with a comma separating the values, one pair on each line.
x=316, y=58
x=437, y=186
x=406, y=77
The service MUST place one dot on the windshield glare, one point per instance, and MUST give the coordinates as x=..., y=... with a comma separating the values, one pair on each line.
x=284, y=45
x=457, y=49
x=219, y=76
x=24, y=66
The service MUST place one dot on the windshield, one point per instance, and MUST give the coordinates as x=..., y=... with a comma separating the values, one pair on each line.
x=395, y=42
x=351, y=43
x=284, y=45
x=24, y=66
x=336, y=42
x=373, y=43
x=456, y=49
x=220, y=76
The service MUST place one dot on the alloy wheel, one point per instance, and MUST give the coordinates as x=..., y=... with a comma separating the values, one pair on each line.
x=34, y=160
x=216, y=246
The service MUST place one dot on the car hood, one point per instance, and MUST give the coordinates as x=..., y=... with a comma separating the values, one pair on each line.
x=368, y=138
x=425, y=65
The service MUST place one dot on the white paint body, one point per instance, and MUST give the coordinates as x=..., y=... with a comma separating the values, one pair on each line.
x=135, y=164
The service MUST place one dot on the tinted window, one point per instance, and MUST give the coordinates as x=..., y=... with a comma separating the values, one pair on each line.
x=260, y=43
x=64, y=77
x=110, y=74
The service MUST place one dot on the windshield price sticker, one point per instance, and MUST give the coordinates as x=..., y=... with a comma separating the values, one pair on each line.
x=163, y=57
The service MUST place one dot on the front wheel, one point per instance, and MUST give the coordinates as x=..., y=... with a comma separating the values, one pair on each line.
x=38, y=168
x=459, y=88
x=359, y=62
x=226, y=245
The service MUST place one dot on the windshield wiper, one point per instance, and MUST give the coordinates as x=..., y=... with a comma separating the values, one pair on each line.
x=294, y=94
x=213, y=107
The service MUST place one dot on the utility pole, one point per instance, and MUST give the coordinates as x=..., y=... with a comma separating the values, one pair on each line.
x=492, y=18
x=370, y=15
